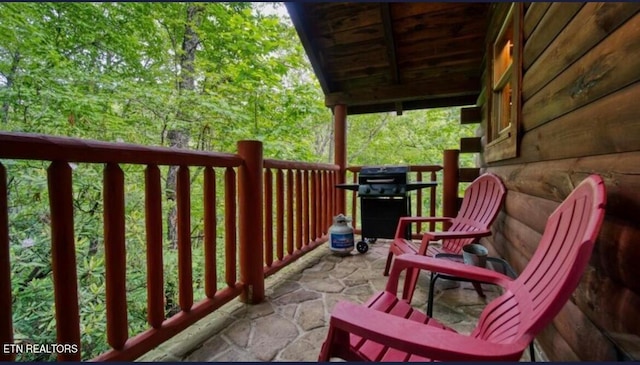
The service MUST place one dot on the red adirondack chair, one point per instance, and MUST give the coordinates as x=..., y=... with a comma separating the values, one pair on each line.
x=389, y=329
x=480, y=206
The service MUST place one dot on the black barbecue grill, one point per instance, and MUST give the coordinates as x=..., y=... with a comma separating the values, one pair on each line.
x=384, y=198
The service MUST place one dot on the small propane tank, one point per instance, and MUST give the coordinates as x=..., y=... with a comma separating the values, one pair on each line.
x=341, y=235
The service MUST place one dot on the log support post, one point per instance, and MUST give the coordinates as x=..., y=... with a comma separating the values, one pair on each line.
x=250, y=198
x=340, y=156
x=450, y=185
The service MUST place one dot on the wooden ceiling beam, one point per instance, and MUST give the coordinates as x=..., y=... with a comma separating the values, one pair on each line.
x=389, y=41
x=401, y=92
x=385, y=13
x=414, y=105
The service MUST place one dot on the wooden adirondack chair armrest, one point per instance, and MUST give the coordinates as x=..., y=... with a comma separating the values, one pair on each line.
x=448, y=267
x=436, y=236
x=417, y=338
x=404, y=222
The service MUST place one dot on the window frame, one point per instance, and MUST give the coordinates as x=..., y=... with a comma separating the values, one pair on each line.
x=503, y=138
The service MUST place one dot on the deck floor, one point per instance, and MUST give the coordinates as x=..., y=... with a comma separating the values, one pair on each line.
x=292, y=323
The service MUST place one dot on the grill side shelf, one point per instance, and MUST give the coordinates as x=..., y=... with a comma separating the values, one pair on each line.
x=353, y=187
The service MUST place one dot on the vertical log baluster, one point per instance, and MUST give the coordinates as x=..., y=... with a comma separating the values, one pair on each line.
x=320, y=200
x=289, y=212
x=305, y=206
x=313, y=206
x=332, y=192
x=115, y=256
x=210, y=232
x=432, y=202
x=328, y=199
x=318, y=209
x=185, y=275
x=354, y=202
x=268, y=217
x=230, y=227
x=6, y=322
x=280, y=214
x=298, y=209
x=337, y=206
x=153, y=224
x=63, y=257
x=418, y=203
x=324, y=200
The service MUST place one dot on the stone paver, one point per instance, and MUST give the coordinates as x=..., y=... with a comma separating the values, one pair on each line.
x=292, y=322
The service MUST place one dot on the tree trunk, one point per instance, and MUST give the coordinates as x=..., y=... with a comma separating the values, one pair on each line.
x=10, y=77
x=179, y=137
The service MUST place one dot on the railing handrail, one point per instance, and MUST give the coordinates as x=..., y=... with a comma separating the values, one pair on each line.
x=412, y=168
x=31, y=146
x=296, y=165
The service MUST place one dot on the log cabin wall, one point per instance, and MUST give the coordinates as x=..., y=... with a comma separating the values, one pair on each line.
x=580, y=114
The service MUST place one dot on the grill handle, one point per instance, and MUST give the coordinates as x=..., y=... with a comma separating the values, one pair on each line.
x=380, y=181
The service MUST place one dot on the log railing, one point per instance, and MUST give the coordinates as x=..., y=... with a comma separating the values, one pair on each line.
x=305, y=200
x=301, y=198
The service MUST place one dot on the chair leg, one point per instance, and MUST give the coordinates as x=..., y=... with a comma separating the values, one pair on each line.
x=324, y=352
x=410, y=282
x=388, y=264
x=532, y=352
x=478, y=287
x=333, y=337
x=432, y=285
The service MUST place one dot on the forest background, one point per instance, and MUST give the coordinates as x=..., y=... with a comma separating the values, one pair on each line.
x=188, y=75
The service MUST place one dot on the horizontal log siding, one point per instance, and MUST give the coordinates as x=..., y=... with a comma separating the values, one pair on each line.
x=608, y=67
x=590, y=26
x=580, y=116
x=553, y=21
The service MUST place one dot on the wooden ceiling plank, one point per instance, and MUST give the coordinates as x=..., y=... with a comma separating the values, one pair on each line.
x=407, y=10
x=342, y=50
x=394, y=56
x=439, y=73
x=350, y=79
x=373, y=33
x=440, y=35
x=339, y=19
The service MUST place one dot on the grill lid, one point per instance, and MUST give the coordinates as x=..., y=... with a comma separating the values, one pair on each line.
x=381, y=175
x=384, y=170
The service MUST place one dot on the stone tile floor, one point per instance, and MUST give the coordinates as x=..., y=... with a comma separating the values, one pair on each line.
x=291, y=324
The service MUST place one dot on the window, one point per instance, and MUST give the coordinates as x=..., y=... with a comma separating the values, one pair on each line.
x=504, y=87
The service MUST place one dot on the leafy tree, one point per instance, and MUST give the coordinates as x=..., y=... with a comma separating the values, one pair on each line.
x=187, y=75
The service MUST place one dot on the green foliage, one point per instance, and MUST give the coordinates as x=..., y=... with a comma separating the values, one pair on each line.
x=417, y=137
x=111, y=71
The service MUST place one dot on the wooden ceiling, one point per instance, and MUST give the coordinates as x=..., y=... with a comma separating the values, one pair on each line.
x=381, y=57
